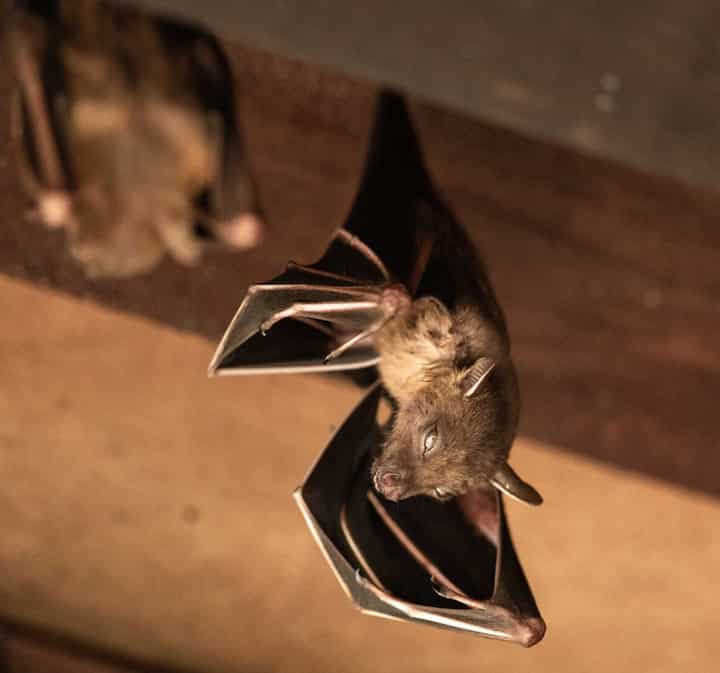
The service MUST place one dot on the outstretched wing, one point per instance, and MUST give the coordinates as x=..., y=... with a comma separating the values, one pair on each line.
x=447, y=564
x=292, y=323
x=232, y=216
x=389, y=235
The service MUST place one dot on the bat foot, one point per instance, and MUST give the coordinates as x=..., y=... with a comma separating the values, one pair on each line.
x=395, y=299
x=242, y=232
x=54, y=209
x=438, y=588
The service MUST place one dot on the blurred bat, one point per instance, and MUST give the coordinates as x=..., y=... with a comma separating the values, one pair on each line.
x=126, y=135
x=405, y=289
x=399, y=262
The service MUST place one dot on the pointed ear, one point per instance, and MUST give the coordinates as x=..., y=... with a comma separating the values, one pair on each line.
x=506, y=481
x=476, y=375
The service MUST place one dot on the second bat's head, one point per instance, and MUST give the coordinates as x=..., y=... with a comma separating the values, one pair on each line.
x=454, y=436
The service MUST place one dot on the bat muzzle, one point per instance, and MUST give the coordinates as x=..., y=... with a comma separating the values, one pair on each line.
x=391, y=483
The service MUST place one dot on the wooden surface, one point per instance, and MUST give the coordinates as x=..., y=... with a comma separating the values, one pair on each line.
x=637, y=82
x=610, y=278
x=28, y=650
x=146, y=512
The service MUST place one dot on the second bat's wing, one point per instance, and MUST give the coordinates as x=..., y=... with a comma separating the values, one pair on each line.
x=233, y=216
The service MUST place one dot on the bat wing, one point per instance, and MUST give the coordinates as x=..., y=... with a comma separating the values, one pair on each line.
x=418, y=560
x=39, y=141
x=389, y=234
x=232, y=195
x=322, y=309
x=405, y=233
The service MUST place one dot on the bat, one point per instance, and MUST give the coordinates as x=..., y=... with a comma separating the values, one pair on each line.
x=125, y=135
x=401, y=274
x=442, y=350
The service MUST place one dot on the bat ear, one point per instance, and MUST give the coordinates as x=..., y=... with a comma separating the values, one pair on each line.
x=507, y=481
x=476, y=375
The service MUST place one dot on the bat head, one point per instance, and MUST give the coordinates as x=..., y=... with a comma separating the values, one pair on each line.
x=454, y=436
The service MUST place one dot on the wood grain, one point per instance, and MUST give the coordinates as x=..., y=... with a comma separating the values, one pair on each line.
x=609, y=277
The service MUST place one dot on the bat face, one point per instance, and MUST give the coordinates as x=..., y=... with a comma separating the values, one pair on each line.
x=444, y=443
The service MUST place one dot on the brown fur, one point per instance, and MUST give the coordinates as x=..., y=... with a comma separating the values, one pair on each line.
x=143, y=145
x=425, y=353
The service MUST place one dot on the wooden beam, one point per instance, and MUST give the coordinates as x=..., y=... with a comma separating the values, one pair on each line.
x=609, y=277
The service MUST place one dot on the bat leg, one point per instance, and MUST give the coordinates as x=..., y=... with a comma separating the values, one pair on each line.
x=52, y=208
x=311, y=270
x=449, y=593
x=365, y=250
x=28, y=179
x=38, y=112
x=352, y=341
x=316, y=324
x=425, y=246
x=236, y=224
x=359, y=293
x=318, y=310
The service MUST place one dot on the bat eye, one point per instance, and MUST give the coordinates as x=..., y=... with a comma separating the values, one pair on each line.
x=430, y=441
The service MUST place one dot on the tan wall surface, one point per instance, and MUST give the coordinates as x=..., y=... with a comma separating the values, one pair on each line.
x=147, y=509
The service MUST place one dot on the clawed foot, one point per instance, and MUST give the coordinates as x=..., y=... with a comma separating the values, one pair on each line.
x=395, y=299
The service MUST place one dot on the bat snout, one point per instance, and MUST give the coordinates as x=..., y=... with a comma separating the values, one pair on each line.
x=390, y=482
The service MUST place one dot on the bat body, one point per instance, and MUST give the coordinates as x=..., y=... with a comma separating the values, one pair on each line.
x=448, y=369
x=401, y=289
x=127, y=135
x=446, y=439
x=419, y=307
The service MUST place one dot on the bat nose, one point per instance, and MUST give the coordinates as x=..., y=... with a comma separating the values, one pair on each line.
x=390, y=483
x=390, y=479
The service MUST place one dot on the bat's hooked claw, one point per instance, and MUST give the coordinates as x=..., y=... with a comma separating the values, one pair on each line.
x=449, y=594
x=437, y=587
x=265, y=325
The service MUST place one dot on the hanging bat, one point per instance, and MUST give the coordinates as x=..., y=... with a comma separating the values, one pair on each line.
x=429, y=319
x=126, y=135
x=401, y=288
